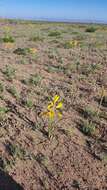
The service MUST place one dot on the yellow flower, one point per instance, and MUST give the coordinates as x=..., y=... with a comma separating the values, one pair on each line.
x=59, y=106
x=54, y=108
x=51, y=114
x=50, y=106
x=73, y=43
x=33, y=50
x=55, y=99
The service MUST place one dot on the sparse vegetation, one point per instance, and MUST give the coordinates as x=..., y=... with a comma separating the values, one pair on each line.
x=12, y=90
x=53, y=111
x=3, y=111
x=8, y=39
x=53, y=104
x=35, y=79
x=91, y=29
x=36, y=38
x=1, y=87
x=25, y=51
x=71, y=44
x=54, y=34
x=88, y=128
x=90, y=112
x=29, y=103
x=9, y=72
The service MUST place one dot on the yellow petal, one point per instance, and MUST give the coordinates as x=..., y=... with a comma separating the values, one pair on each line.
x=50, y=106
x=103, y=92
x=71, y=42
x=59, y=115
x=76, y=43
x=51, y=115
x=45, y=114
x=56, y=98
x=59, y=106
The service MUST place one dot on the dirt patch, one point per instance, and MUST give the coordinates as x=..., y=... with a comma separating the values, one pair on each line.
x=76, y=156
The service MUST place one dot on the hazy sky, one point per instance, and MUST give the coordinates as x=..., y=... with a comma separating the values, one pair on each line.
x=55, y=9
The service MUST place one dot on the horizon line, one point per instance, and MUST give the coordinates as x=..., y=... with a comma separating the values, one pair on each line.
x=84, y=21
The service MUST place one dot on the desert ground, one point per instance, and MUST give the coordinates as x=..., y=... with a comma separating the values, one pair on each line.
x=38, y=61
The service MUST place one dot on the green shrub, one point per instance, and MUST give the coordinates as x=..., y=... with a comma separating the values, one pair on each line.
x=9, y=72
x=89, y=112
x=12, y=90
x=3, y=111
x=88, y=128
x=29, y=104
x=35, y=79
x=90, y=29
x=54, y=34
x=21, y=51
x=8, y=39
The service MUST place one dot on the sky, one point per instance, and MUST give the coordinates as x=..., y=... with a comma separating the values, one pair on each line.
x=55, y=9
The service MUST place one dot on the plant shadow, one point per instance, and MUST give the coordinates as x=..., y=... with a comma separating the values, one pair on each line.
x=8, y=183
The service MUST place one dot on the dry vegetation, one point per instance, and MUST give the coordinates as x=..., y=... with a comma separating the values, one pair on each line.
x=37, y=62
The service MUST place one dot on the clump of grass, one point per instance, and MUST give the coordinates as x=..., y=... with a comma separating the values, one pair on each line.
x=3, y=111
x=104, y=102
x=15, y=151
x=9, y=72
x=1, y=91
x=36, y=38
x=8, y=39
x=6, y=164
x=54, y=34
x=53, y=69
x=23, y=62
x=25, y=51
x=1, y=88
x=103, y=99
x=89, y=68
x=52, y=54
x=89, y=112
x=74, y=67
x=91, y=29
x=29, y=103
x=12, y=90
x=35, y=79
x=21, y=51
x=88, y=128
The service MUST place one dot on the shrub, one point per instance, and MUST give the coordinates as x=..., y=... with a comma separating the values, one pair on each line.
x=36, y=38
x=88, y=128
x=25, y=51
x=35, y=79
x=90, y=29
x=12, y=90
x=29, y=104
x=3, y=111
x=21, y=51
x=89, y=112
x=8, y=39
x=9, y=72
x=54, y=34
